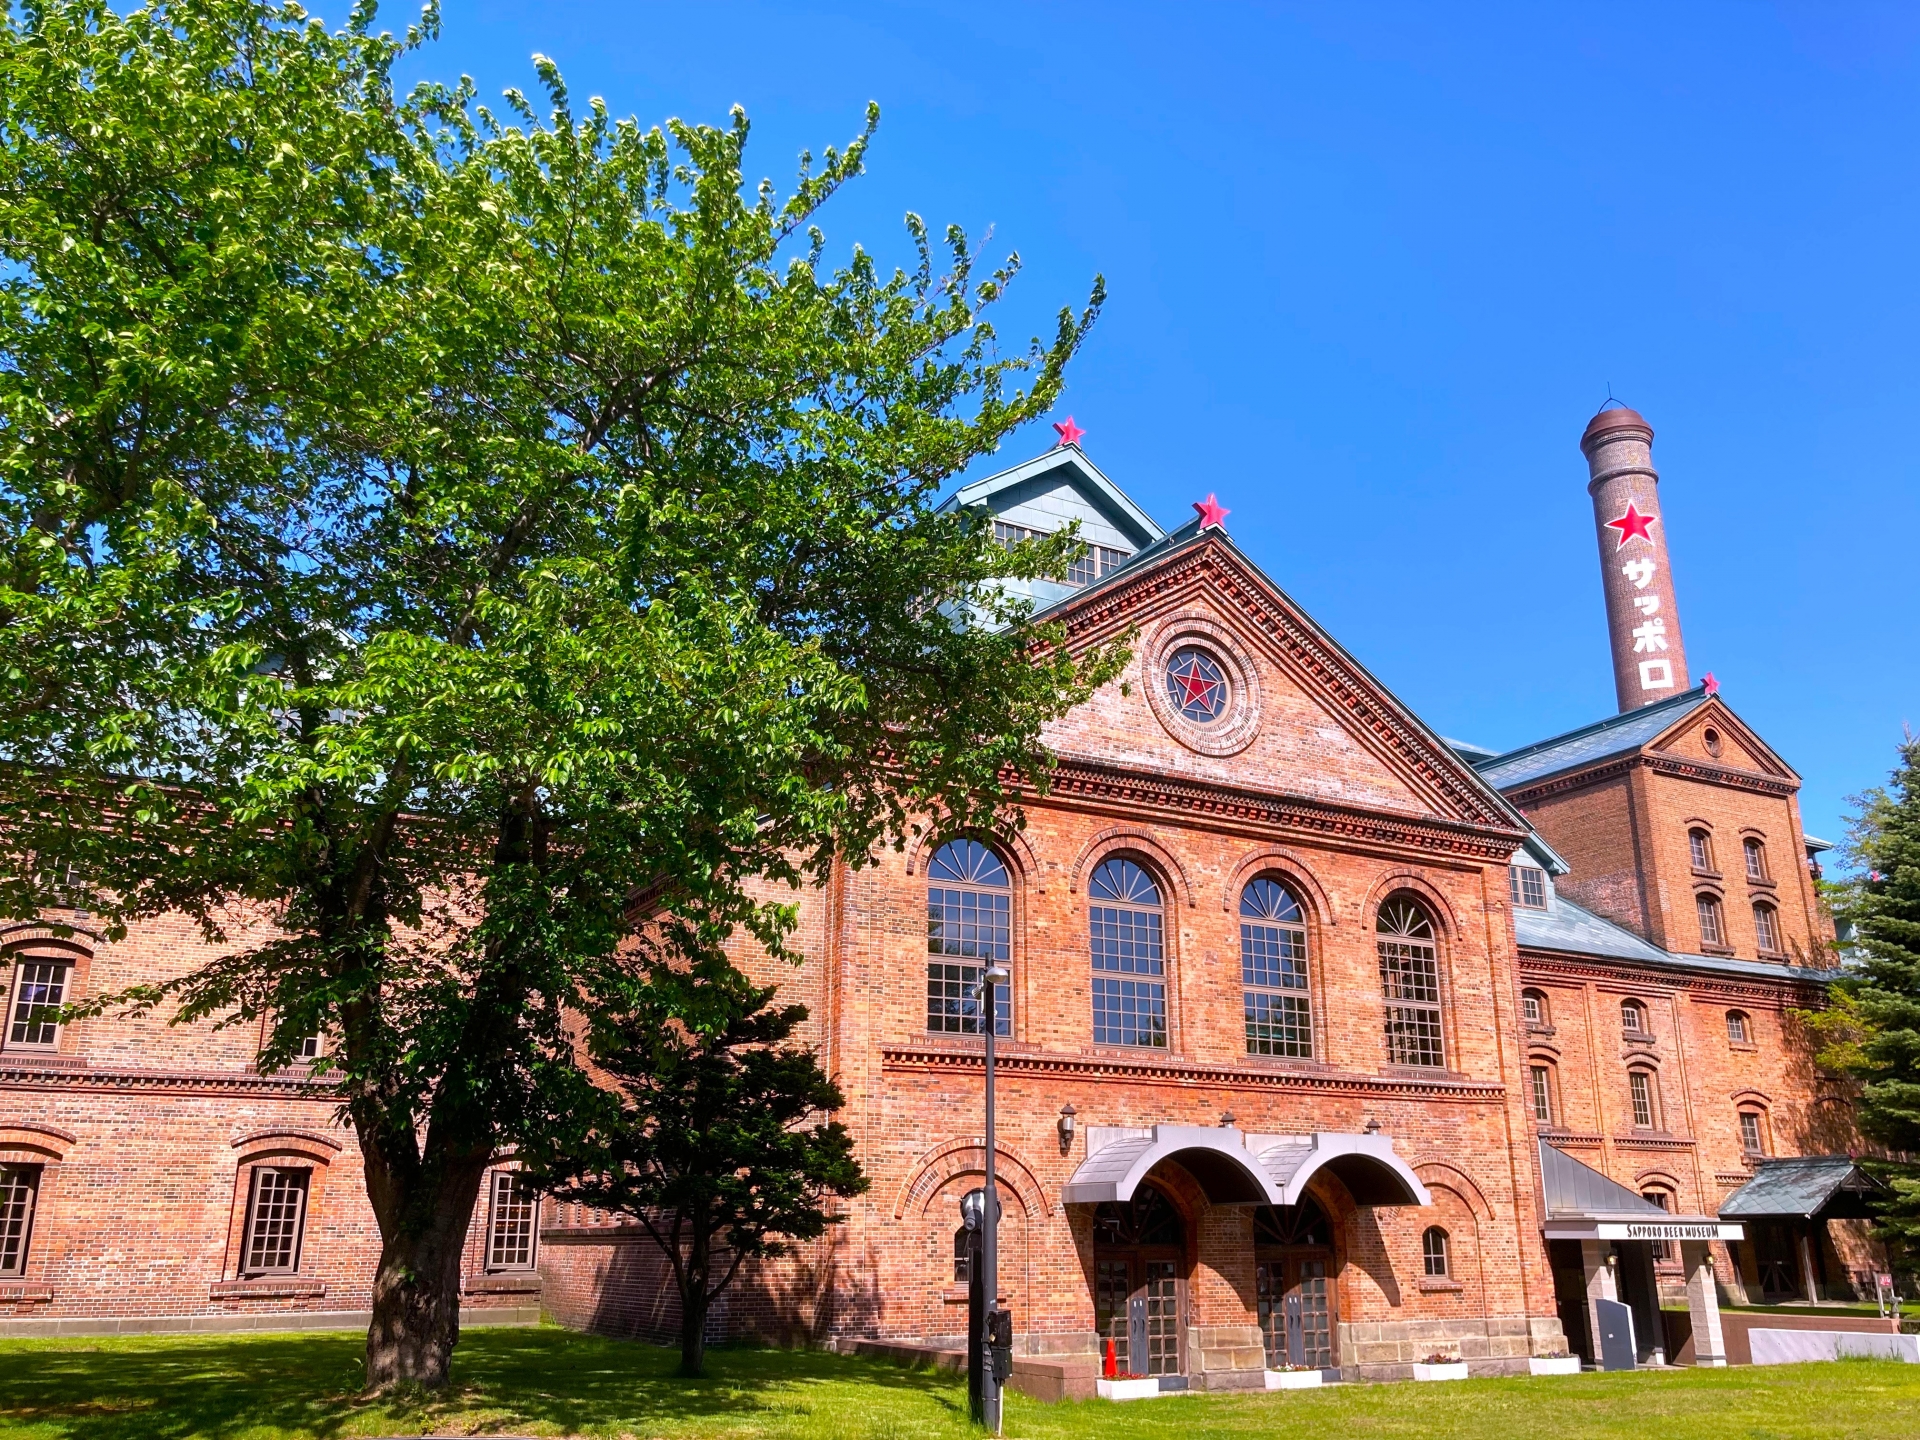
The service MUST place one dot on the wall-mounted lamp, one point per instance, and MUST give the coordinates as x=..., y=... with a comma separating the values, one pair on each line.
x=1067, y=1112
x=1227, y=1117
x=1372, y=1126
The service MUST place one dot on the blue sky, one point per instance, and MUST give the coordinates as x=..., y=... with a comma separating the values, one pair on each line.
x=1372, y=267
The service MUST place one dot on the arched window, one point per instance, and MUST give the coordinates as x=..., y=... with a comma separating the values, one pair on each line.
x=1633, y=1018
x=1700, y=848
x=1756, y=858
x=1410, y=981
x=1540, y=1091
x=1712, y=932
x=1753, y=1132
x=1661, y=1249
x=1766, y=928
x=1533, y=1007
x=1433, y=1250
x=1273, y=968
x=1739, y=1027
x=1644, y=1094
x=1129, y=993
x=42, y=983
x=969, y=926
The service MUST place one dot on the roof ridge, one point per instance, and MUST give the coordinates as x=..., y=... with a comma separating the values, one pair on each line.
x=1695, y=695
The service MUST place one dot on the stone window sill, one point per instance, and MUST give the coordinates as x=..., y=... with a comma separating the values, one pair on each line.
x=22, y=1294
x=1432, y=1286
x=1725, y=951
x=1762, y=882
x=506, y=1282
x=267, y=1288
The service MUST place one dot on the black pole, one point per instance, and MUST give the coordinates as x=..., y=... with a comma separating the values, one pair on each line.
x=976, y=1332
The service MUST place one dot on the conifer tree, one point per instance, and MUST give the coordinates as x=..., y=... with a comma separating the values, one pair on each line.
x=1884, y=907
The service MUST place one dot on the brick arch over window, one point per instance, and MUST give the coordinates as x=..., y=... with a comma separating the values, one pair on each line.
x=1013, y=848
x=1664, y=1179
x=32, y=935
x=1438, y=1175
x=969, y=1157
x=24, y=1139
x=1292, y=870
x=1439, y=909
x=1757, y=1098
x=1120, y=839
x=258, y=1145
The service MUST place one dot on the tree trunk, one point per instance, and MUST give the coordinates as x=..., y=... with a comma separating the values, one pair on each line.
x=416, y=1289
x=693, y=1309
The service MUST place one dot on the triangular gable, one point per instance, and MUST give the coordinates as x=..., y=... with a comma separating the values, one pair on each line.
x=1050, y=490
x=1202, y=570
x=1740, y=748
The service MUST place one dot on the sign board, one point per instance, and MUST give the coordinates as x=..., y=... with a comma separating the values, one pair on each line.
x=1643, y=1230
x=1616, y=1335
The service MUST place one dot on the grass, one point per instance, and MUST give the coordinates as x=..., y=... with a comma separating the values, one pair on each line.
x=552, y=1382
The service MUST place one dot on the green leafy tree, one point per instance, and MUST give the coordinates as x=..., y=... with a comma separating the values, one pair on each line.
x=1871, y=1031
x=433, y=539
x=718, y=1144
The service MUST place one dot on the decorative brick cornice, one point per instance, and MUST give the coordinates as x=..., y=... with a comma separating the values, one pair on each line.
x=1567, y=1140
x=1651, y=1142
x=159, y=1082
x=936, y=1059
x=1214, y=570
x=1698, y=770
x=1134, y=790
x=1674, y=975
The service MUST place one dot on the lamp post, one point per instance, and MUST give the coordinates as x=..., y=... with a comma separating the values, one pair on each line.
x=995, y=1357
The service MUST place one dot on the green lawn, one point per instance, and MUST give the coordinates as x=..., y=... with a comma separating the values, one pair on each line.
x=550, y=1382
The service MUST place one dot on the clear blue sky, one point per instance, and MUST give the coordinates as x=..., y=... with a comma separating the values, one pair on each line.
x=1372, y=268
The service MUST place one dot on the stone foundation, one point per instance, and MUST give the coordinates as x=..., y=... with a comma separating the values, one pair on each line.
x=1497, y=1345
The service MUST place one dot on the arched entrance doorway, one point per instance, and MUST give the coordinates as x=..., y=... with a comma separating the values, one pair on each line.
x=1293, y=1270
x=1139, y=1259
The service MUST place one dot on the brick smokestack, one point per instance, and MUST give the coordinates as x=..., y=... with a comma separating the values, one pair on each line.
x=1649, y=658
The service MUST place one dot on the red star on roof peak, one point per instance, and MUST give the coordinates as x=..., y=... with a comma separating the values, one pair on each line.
x=1709, y=684
x=1212, y=513
x=1631, y=524
x=1068, y=432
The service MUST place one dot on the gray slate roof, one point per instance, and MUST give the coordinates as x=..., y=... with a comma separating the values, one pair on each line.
x=1576, y=930
x=1575, y=1189
x=1616, y=735
x=1801, y=1188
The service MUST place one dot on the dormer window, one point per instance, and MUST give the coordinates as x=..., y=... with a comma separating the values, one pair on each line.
x=1097, y=561
x=1529, y=886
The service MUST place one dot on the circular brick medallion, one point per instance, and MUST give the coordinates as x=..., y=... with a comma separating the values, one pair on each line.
x=1201, y=686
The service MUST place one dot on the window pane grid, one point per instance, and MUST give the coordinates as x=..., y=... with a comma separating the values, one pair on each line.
x=1129, y=1012
x=1764, y=928
x=1640, y=1086
x=510, y=1233
x=968, y=925
x=39, y=991
x=1709, y=911
x=1529, y=886
x=1750, y=1132
x=1433, y=1250
x=1126, y=941
x=1279, y=1025
x=274, y=1221
x=953, y=1004
x=1542, y=1095
x=18, y=1186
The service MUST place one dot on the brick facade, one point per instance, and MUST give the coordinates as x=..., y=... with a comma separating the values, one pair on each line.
x=1311, y=776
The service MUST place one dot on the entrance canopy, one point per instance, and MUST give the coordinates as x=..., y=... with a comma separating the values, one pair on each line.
x=1235, y=1168
x=1807, y=1187
x=1583, y=1204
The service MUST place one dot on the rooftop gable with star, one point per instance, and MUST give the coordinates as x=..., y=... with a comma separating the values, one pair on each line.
x=1213, y=636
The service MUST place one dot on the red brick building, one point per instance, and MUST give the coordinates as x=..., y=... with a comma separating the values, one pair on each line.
x=1299, y=989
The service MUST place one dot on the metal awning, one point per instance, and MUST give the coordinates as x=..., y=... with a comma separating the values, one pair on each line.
x=1805, y=1187
x=1583, y=1204
x=1235, y=1168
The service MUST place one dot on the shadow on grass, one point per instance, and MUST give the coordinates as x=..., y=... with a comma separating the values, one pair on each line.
x=546, y=1379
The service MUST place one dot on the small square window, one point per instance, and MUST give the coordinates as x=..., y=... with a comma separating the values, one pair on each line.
x=1533, y=1007
x=1529, y=886
x=1739, y=1027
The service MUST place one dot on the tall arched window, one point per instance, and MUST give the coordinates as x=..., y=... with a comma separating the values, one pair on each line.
x=1707, y=907
x=1410, y=981
x=1273, y=968
x=1129, y=991
x=1766, y=927
x=969, y=926
x=1756, y=858
x=1700, y=850
x=1540, y=1091
x=1644, y=1094
x=1433, y=1250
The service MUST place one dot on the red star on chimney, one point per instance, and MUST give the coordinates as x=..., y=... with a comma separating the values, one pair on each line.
x=1631, y=524
x=1068, y=432
x=1211, y=513
x=1709, y=684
